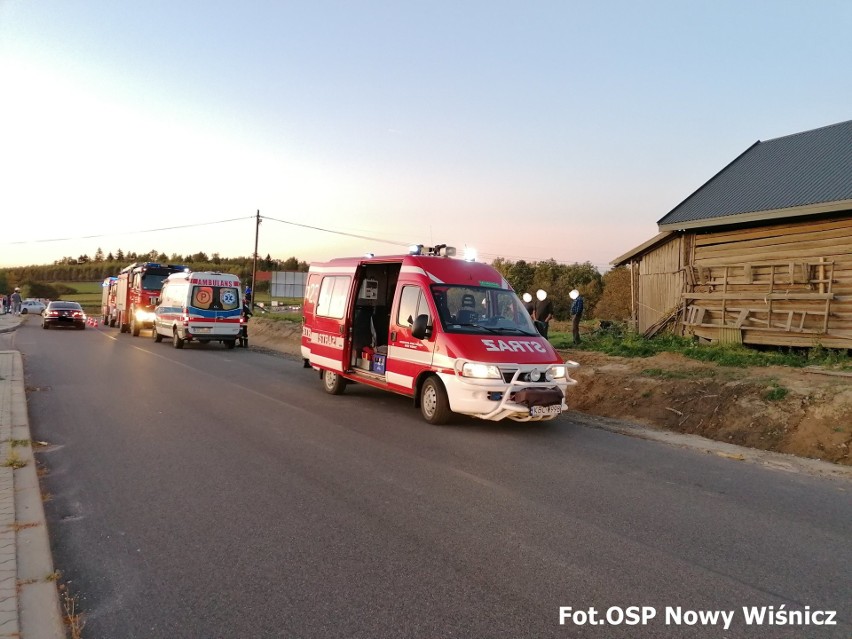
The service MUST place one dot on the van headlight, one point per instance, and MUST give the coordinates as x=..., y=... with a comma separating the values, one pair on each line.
x=480, y=371
x=144, y=316
x=557, y=372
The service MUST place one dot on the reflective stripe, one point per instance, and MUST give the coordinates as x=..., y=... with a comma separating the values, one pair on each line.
x=326, y=362
x=409, y=355
x=405, y=381
x=325, y=339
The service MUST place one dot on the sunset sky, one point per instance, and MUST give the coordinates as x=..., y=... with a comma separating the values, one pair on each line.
x=527, y=130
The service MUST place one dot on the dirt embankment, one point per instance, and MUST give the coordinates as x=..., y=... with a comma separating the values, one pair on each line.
x=802, y=412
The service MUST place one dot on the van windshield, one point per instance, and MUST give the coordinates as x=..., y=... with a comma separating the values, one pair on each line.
x=215, y=298
x=481, y=310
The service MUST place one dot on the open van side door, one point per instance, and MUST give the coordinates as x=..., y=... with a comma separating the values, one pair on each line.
x=329, y=332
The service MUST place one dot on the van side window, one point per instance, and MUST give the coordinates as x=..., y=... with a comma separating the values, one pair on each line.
x=412, y=302
x=332, y=296
x=174, y=294
x=311, y=290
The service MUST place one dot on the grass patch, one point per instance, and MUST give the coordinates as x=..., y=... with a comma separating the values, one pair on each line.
x=659, y=373
x=14, y=461
x=89, y=295
x=72, y=616
x=776, y=393
x=279, y=317
x=622, y=343
x=19, y=442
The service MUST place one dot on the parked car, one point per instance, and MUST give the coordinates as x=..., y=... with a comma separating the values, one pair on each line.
x=63, y=314
x=32, y=306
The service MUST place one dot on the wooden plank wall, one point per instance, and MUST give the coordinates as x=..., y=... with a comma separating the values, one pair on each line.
x=660, y=283
x=789, y=255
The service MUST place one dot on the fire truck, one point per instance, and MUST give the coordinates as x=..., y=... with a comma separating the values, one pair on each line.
x=137, y=292
x=109, y=313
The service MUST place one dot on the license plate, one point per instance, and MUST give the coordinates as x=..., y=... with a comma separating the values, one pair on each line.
x=545, y=410
x=203, y=330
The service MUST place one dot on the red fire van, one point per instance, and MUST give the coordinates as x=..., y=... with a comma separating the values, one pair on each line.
x=450, y=333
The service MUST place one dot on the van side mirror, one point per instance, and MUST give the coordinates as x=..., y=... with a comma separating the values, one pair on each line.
x=421, y=329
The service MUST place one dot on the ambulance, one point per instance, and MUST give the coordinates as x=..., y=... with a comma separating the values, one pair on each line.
x=199, y=306
x=449, y=333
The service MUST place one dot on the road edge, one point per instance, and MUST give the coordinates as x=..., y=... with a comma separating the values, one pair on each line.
x=766, y=458
x=39, y=608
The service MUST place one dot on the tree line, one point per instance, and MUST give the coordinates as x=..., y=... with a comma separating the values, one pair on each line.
x=607, y=296
x=109, y=260
x=84, y=269
x=100, y=267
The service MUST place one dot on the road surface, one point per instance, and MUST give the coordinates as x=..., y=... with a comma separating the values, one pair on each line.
x=220, y=493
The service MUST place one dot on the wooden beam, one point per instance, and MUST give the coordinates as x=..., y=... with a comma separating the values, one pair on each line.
x=758, y=295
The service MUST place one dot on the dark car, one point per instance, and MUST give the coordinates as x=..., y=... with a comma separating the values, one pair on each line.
x=63, y=314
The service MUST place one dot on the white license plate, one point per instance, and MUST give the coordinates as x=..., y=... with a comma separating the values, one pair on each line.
x=203, y=330
x=545, y=410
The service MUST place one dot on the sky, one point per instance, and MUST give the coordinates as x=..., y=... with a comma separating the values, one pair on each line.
x=525, y=130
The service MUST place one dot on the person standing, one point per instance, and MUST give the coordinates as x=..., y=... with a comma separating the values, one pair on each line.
x=543, y=312
x=245, y=314
x=529, y=304
x=576, y=314
x=15, y=298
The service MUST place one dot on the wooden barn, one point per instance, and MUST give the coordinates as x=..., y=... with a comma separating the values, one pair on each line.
x=761, y=253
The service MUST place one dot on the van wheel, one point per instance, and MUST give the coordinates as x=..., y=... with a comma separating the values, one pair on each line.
x=230, y=343
x=434, y=404
x=157, y=337
x=134, y=327
x=177, y=342
x=333, y=383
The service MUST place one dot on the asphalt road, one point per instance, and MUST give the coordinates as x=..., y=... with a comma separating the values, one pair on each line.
x=216, y=493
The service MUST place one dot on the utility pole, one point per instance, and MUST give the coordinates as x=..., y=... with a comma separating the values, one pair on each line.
x=254, y=266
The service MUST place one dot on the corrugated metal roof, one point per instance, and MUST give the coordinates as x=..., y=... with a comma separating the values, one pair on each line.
x=808, y=168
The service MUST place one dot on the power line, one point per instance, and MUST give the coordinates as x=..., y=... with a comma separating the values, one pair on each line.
x=319, y=228
x=90, y=237
x=265, y=217
x=407, y=244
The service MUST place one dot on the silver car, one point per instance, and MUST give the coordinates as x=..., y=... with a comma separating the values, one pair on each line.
x=32, y=306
